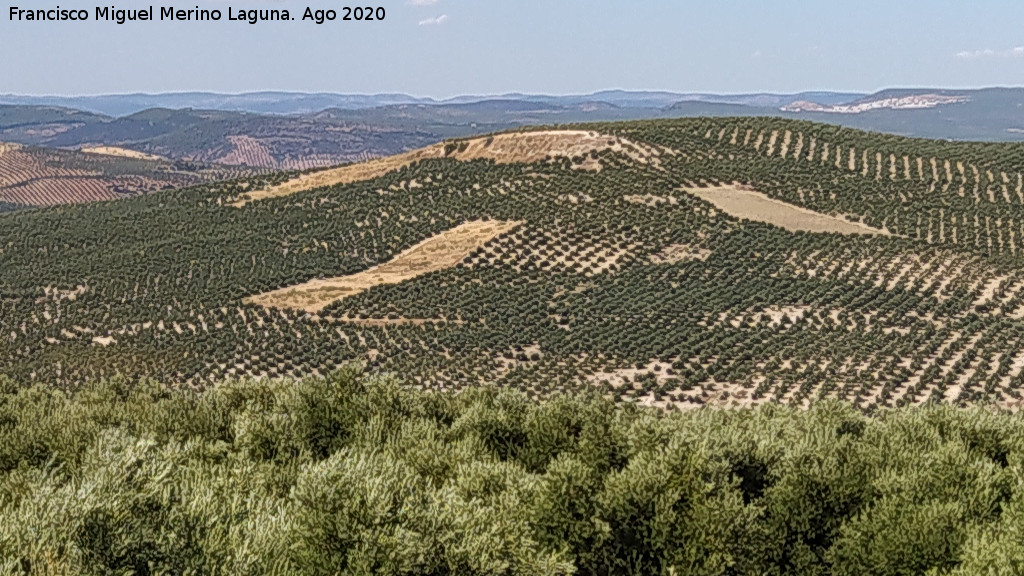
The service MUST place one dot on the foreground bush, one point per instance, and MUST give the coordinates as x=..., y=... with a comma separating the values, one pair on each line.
x=356, y=475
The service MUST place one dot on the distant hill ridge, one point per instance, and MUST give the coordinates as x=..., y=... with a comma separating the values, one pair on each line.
x=908, y=102
x=293, y=131
x=304, y=103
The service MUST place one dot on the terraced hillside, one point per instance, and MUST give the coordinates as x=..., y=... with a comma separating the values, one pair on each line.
x=676, y=263
x=31, y=176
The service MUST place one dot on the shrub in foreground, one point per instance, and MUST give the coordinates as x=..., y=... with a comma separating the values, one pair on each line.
x=355, y=474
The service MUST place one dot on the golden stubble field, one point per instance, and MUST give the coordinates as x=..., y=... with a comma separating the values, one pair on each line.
x=435, y=253
x=122, y=153
x=743, y=202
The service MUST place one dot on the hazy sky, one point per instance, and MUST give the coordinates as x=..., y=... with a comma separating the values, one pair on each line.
x=448, y=47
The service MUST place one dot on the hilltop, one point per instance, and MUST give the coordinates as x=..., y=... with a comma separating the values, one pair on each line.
x=677, y=263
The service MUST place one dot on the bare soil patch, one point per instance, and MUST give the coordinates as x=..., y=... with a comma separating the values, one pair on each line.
x=680, y=253
x=122, y=153
x=436, y=253
x=529, y=147
x=742, y=202
x=5, y=148
x=517, y=147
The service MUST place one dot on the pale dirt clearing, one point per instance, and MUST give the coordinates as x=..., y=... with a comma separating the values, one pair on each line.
x=5, y=148
x=122, y=153
x=620, y=377
x=51, y=293
x=675, y=253
x=772, y=141
x=516, y=147
x=529, y=147
x=435, y=253
x=741, y=202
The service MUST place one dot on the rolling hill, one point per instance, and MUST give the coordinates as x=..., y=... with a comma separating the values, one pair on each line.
x=325, y=138
x=32, y=176
x=359, y=128
x=676, y=263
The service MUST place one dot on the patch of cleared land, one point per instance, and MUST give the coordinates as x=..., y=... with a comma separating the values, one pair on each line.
x=435, y=253
x=122, y=153
x=5, y=147
x=104, y=340
x=742, y=202
x=680, y=253
x=529, y=147
x=517, y=147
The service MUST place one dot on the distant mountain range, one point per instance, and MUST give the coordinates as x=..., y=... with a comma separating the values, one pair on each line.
x=989, y=114
x=297, y=103
x=286, y=131
x=303, y=103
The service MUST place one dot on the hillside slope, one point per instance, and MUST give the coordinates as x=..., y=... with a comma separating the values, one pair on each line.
x=677, y=263
x=31, y=176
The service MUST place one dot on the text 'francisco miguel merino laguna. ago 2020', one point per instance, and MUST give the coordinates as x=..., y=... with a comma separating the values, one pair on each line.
x=169, y=13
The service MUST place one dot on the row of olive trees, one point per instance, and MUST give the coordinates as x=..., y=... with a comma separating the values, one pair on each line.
x=357, y=475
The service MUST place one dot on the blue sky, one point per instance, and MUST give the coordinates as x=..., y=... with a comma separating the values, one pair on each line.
x=447, y=47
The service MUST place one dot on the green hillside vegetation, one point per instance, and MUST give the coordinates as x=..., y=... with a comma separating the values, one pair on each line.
x=361, y=475
x=618, y=280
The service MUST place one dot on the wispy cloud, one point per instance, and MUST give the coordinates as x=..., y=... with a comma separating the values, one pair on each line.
x=434, y=21
x=1017, y=52
x=423, y=2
